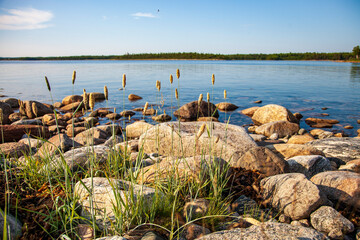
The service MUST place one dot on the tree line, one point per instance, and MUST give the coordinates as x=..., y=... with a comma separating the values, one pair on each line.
x=337, y=56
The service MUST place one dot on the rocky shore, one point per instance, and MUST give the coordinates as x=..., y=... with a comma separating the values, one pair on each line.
x=308, y=181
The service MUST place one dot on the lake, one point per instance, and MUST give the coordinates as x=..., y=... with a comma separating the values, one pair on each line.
x=301, y=86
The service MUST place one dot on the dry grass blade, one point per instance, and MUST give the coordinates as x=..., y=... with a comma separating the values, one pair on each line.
x=1, y=116
x=47, y=84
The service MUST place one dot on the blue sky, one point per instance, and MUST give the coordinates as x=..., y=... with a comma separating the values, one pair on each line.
x=106, y=27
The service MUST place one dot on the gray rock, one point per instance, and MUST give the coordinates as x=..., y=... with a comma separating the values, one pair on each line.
x=340, y=186
x=99, y=197
x=309, y=165
x=112, y=141
x=345, y=148
x=32, y=142
x=267, y=231
x=13, y=226
x=227, y=141
x=257, y=137
x=28, y=122
x=152, y=236
x=293, y=194
x=244, y=205
x=13, y=149
x=112, y=129
x=329, y=221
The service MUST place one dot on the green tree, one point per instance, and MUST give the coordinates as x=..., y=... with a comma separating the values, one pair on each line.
x=356, y=51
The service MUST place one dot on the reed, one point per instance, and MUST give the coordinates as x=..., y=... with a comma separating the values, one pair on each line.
x=91, y=101
x=73, y=77
x=106, y=93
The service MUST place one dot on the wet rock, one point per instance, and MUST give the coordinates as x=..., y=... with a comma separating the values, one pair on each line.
x=192, y=111
x=263, y=160
x=293, y=194
x=301, y=139
x=113, y=116
x=193, y=231
x=56, y=144
x=225, y=106
x=298, y=116
x=352, y=166
x=309, y=165
x=331, y=222
x=267, y=231
x=292, y=150
x=13, y=102
x=227, y=141
x=161, y=118
x=320, y=123
x=196, y=209
x=272, y=113
x=71, y=99
x=138, y=109
x=282, y=128
x=6, y=111
x=12, y=133
x=135, y=129
x=348, y=127
x=249, y=111
x=133, y=97
x=103, y=195
x=340, y=186
x=28, y=122
x=15, y=117
x=13, y=149
x=258, y=101
x=346, y=149
x=13, y=226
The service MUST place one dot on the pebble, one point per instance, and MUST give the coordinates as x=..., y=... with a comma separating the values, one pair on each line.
x=258, y=101
x=324, y=108
x=348, y=127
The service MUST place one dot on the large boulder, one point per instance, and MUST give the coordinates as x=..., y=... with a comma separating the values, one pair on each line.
x=346, y=148
x=110, y=198
x=6, y=111
x=272, y=113
x=226, y=141
x=328, y=220
x=13, y=149
x=183, y=168
x=56, y=144
x=192, y=111
x=34, y=109
x=10, y=133
x=309, y=165
x=249, y=111
x=293, y=194
x=267, y=231
x=282, y=128
x=263, y=160
x=340, y=186
x=292, y=150
x=135, y=129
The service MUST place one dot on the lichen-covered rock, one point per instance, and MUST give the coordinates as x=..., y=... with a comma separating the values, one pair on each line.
x=272, y=113
x=293, y=194
x=328, y=220
x=282, y=128
x=267, y=231
x=309, y=165
x=192, y=110
x=346, y=148
x=227, y=141
x=340, y=186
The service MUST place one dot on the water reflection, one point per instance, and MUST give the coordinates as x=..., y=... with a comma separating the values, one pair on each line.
x=355, y=73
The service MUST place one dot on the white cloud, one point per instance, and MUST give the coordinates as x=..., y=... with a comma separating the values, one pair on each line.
x=26, y=19
x=143, y=15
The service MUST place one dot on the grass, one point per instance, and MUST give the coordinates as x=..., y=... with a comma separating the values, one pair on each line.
x=48, y=197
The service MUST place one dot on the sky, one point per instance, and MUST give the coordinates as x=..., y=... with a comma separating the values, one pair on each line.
x=30, y=28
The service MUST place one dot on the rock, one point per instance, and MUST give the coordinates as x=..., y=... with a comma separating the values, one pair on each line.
x=113, y=116
x=208, y=119
x=282, y=128
x=192, y=111
x=193, y=231
x=340, y=134
x=6, y=111
x=161, y=118
x=325, y=134
x=12, y=133
x=71, y=132
x=227, y=141
x=252, y=129
x=249, y=111
x=352, y=166
x=112, y=141
x=152, y=236
x=98, y=96
x=150, y=111
x=128, y=146
x=15, y=117
x=302, y=222
x=315, y=121
x=293, y=194
x=104, y=195
x=298, y=116
x=272, y=113
x=110, y=130
x=31, y=142
x=258, y=101
x=92, y=136
x=301, y=139
x=85, y=232
x=71, y=99
x=102, y=112
x=263, y=160
x=13, y=102
x=133, y=97
x=13, y=227
x=112, y=238
x=58, y=104
x=274, y=136
x=321, y=125
x=292, y=150
x=183, y=168
x=40, y=108
x=331, y=222
x=325, y=114
x=267, y=231
x=138, y=109
x=257, y=137
x=301, y=131
x=346, y=149
x=127, y=113
x=244, y=205
x=79, y=158
x=56, y=144
x=135, y=129
x=309, y=165
x=340, y=186
x=225, y=106
x=72, y=107
x=13, y=149
x=28, y=122
x=348, y=127
x=196, y=209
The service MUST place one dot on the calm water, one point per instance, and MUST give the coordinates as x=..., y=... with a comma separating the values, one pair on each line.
x=301, y=86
